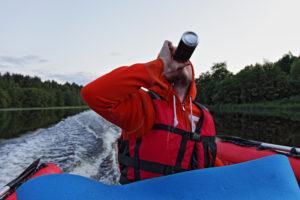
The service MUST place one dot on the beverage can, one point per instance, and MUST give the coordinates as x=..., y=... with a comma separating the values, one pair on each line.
x=186, y=46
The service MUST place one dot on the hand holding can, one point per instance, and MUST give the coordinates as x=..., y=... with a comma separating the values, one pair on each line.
x=171, y=66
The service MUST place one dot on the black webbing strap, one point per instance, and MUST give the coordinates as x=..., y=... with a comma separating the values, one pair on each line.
x=201, y=118
x=185, y=137
x=201, y=106
x=209, y=144
x=194, y=158
x=137, y=175
x=153, y=95
x=210, y=151
x=181, y=151
x=199, y=125
x=149, y=166
x=124, y=180
x=183, y=133
x=123, y=148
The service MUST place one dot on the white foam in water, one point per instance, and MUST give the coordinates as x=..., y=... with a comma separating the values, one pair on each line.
x=82, y=144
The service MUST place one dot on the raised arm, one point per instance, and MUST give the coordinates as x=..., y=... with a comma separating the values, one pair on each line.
x=117, y=96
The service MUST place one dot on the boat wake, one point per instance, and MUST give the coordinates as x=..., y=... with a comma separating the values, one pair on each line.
x=83, y=144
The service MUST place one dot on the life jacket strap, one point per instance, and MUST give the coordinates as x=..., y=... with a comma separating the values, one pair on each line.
x=210, y=151
x=153, y=95
x=137, y=174
x=149, y=166
x=189, y=135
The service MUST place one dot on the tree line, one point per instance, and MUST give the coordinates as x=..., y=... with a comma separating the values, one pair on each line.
x=255, y=83
x=19, y=91
x=13, y=124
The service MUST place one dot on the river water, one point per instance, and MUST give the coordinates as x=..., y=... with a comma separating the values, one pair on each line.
x=85, y=143
x=270, y=129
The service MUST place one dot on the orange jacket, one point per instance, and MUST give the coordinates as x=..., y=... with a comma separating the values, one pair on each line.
x=118, y=98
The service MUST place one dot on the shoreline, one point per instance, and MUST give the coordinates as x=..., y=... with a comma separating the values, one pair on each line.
x=288, y=111
x=44, y=108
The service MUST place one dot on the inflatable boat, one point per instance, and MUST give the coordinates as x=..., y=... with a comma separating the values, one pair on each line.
x=253, y=170
x=233, y=150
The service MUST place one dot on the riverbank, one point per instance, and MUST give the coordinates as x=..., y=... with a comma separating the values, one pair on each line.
x=45, y=108
x=17, y=121
x=288, y=108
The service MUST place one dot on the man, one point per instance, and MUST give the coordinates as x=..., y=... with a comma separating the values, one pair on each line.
x=161, y=125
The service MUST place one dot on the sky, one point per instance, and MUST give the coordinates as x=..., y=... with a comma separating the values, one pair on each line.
x=80, y=40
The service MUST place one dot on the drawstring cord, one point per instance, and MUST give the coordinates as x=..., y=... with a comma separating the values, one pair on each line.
x=175, y=120
x=193, y=126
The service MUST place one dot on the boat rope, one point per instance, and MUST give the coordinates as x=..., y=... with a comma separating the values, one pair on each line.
x=259, y=145
x=238, y=141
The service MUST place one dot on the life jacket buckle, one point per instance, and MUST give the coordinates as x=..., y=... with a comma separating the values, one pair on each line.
x=194, y=136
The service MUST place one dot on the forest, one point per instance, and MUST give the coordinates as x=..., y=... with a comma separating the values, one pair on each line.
x=268, y=82
x=19, y=91
x=258, y=83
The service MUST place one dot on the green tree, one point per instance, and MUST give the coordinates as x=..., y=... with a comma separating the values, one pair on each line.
x=208, y=83
x=255, y=83
x=285, y=62
x=5, y=99
x=294, y=78
x=24, y=91
x=295, y=70
x=220, y=72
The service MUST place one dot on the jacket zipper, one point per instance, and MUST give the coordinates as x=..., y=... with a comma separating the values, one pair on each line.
x=185, y=116
x=183, y=113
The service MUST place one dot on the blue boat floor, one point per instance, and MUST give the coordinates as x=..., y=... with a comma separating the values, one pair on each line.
x=265, y=178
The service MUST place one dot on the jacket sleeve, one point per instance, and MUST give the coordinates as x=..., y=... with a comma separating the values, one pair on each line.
x=117, y=96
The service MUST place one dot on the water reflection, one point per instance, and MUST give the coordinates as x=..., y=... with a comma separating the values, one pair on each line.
x=266, y=129
x=15, y=123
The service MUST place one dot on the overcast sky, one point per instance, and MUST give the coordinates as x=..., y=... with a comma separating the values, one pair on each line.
x=79, y=40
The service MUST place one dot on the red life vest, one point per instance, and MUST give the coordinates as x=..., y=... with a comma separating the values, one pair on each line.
x=167, y=149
